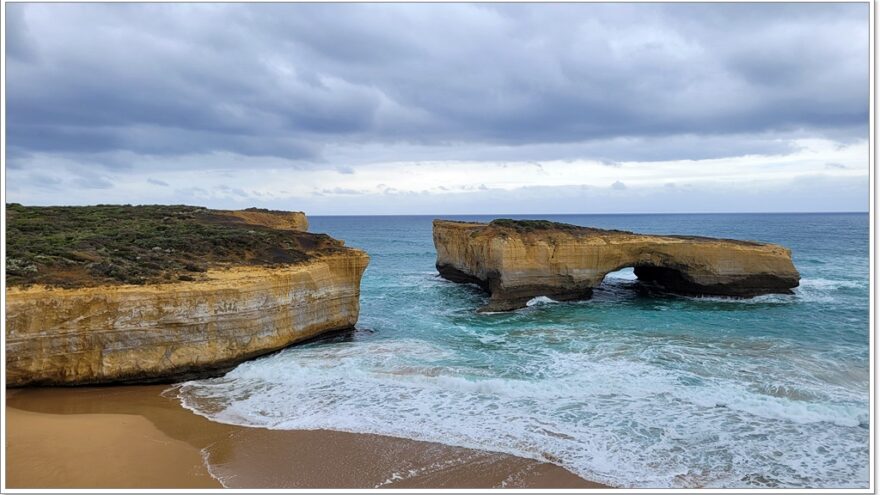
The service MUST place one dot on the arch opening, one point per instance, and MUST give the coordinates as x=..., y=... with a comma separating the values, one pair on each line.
x=625, y=274
x=649, y=279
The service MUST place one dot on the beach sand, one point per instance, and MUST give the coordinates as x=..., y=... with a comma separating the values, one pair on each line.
x=134, y=437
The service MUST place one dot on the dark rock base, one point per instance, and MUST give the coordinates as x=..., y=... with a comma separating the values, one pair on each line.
x=674, y=281
x=650, y=280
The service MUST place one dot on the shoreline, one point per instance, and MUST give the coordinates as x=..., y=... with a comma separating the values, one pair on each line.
x=133, y=437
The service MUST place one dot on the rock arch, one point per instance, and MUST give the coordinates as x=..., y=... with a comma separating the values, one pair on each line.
x=518, y=260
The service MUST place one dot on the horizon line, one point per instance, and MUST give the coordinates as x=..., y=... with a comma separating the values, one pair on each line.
x=7, y=204
x=596, y=214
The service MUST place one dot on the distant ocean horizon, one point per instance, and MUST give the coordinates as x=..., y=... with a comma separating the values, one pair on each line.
x=624, y=389
x=531, y=215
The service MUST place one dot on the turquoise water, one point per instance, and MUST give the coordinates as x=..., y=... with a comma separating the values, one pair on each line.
x=630, y=390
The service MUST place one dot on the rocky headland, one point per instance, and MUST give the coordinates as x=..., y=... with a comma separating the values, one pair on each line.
x=112, y=294
x=517, y=260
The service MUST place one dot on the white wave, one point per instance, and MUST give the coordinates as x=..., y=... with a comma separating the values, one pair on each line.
x=628, y=274
x=810, y=290
x=827, y=284
x=619, y=421
x=540, y=300
x=780, y=408
x=762, y=299
x=223, y=479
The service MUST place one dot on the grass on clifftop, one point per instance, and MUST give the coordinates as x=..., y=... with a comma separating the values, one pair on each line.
x=83, y=246
x=538, y=225
x=531, y=225
x=526, y=226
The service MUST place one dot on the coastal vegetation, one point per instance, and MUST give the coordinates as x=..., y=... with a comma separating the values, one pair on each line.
x=77, y=246
x=527, y=226
x=532, y=225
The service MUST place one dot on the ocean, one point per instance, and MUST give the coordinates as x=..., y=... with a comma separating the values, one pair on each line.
x=623, y=389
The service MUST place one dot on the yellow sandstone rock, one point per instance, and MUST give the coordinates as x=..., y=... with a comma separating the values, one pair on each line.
x=280, y=220
x=518, y=260
x=126, y=333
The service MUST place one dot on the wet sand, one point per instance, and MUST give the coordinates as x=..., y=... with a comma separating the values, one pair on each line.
x=133, y=437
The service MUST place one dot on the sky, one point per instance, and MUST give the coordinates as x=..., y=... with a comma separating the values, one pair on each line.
x=440, y=108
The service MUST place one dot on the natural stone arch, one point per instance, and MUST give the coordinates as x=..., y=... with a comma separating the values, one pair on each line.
x=518, y=260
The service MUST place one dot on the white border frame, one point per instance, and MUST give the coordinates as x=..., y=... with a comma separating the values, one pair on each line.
x=871, y=318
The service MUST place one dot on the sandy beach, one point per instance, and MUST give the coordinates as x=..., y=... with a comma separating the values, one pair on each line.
x=134, y=437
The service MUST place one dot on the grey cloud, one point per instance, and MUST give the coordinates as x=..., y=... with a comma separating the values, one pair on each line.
x=43, y=180
x=344, y=190
x=93, y=183
x=225, y=190
x=618, y=185
x=610, y=152
x=19, y=44
x=608, y=163
x=157, y=182
x=16, y=157
x=835, y=166
x=187, y=194
x=813, y=194
x=295, y=81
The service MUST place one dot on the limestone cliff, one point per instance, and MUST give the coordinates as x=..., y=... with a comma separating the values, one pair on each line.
x=118, y=293
x=126, y=333
x=518, y=260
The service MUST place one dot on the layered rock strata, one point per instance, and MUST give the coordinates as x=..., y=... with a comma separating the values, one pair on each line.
x=129, y=333
x=218, y=288
x=516, y=261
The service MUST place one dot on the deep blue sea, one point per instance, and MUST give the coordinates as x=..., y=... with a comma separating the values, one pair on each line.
x=630, y=390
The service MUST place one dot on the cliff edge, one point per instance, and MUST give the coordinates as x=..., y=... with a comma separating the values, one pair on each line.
x=113, y=294
x=517, y=260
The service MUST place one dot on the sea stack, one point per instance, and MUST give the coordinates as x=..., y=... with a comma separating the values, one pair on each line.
x=121, y=294
x=517, y=260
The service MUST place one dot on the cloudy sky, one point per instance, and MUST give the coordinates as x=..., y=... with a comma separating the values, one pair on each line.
x=440, y=108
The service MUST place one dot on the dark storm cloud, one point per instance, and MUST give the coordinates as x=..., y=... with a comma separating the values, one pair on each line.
x=291, y=81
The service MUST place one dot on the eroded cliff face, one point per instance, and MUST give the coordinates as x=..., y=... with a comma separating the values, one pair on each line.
x=516, y=261
x=137, y=333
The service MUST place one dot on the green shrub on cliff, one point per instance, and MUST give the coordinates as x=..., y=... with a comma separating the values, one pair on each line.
x=532, y=225
x=113, y=244
x=527, y=226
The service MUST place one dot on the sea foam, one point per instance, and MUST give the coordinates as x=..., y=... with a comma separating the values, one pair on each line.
x=609, y=420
